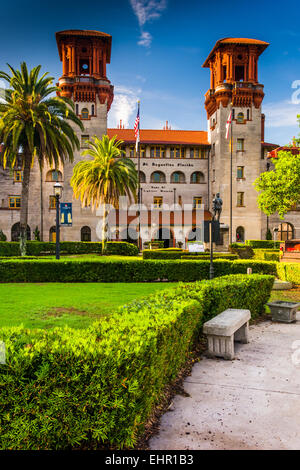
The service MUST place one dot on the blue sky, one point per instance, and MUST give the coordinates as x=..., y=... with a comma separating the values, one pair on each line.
x=158, y=50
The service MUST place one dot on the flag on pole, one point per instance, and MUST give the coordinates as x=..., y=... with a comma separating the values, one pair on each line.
x=228, y=123
x=137, y=128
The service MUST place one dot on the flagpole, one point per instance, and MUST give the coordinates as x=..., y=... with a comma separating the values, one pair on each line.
x=139, y=181
x=231, y=142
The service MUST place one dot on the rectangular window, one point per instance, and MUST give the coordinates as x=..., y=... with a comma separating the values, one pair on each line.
x=157, y=152
x=142, y=151
x=240, y=172
x=84, y=139
x=177, y=152
x=132, y=152
x=240, y=199
x=52, y=202
x=196, y=152
x=18, y=176
x=157, y=202
x=197, y=201
x=213, y=149
x=14, y=202
x=213, y=175
x=240, y=145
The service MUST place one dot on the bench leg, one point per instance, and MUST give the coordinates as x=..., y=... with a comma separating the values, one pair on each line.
x=220, y=346
x=242, y=334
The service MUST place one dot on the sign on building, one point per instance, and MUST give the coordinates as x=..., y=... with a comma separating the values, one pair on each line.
x=66, y=214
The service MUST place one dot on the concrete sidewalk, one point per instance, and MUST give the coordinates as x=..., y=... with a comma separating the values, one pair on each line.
x=252, y=402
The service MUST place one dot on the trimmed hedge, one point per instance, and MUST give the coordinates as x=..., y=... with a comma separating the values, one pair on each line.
x=67, y=389
x=35, y=248
x=162, y=254
x=205, y=256
x=263, y=244
x=131, y=270
x=289, y=272
x=243, y=251
x=266, y=254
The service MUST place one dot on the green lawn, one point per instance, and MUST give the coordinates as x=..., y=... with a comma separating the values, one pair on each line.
x=58, y=304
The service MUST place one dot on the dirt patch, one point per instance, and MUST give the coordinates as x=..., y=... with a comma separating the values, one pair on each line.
x=60, y=311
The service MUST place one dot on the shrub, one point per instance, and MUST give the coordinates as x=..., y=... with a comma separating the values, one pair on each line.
x=36, y=248
x=66, y=389
x=2, y=236
x=263, y=244
x=131, y=270
x=243, y=251
x=159, y=243
x=162, y=254
x=204, y=256
x=289, y=272
x=266, y=254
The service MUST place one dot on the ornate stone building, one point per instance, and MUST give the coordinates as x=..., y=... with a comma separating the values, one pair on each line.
x=176, y=167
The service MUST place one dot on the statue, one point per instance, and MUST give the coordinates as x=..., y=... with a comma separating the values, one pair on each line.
x=217, y=206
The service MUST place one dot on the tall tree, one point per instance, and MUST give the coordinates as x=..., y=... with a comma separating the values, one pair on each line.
x=105, y=178
x=280, y=188
x=34, y=124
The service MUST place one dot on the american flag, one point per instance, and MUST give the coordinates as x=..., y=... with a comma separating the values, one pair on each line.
x=228, y=124
x=137, y=128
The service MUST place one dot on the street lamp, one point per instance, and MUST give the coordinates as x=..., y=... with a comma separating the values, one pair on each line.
x=57, y=193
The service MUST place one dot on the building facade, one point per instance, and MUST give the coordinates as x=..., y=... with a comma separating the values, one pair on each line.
x=176, y=167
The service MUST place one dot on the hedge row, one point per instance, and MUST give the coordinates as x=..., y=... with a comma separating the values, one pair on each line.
x=289, y=272
x=205, y=256
x=40, y=248
x=66, y=389
x=130, y=270
x=181, y=254
x=266, y=254
x=263, y=243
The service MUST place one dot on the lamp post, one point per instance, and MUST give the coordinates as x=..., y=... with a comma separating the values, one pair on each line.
x=57, y=193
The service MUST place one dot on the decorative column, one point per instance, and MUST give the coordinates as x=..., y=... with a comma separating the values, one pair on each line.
x=64, y=61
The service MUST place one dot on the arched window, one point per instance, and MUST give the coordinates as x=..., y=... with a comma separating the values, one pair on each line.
x=240, y=234
x=240, y=118
x=158, y=177
x=15, y=232
x=142, y=177
x=85, y=234
x=77, y=109
x=84, y=113
x=285, y=231
x=52, y=234
x=177, y=177
x=197, y=177
x=54, y=175
x=93, y=110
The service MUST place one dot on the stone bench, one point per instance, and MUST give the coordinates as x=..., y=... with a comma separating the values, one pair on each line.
x=227, y=327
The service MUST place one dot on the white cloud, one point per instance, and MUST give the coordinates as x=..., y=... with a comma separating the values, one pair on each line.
x=281, y=114
x=145, y=39
x=123, y=107
x=146, y=11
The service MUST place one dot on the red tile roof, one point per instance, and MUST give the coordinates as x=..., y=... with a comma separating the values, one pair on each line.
x=263, y=45
x=156, y=136
x=274, y=153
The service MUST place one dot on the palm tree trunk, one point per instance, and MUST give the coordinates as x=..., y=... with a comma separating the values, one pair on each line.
x=103, y=229
x=24, y=203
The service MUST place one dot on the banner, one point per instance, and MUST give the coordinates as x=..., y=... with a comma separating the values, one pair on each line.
x=66, y=214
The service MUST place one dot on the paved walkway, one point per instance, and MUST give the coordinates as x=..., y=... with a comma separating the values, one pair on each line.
x=252, y=402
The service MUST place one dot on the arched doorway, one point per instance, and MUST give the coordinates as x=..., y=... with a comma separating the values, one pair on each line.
x=15, y=232
x=166, y=235
x=85, y=234
x=52, y=234
x=240, y=234
x=285, y=231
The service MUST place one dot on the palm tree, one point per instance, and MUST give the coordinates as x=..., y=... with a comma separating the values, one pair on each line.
x=105, y=178
x=36, y=125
